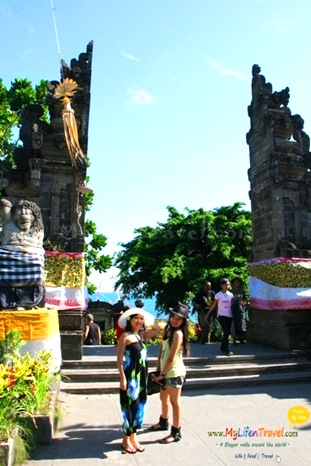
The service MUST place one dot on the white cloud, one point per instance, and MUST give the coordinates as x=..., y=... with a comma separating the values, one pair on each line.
x=227, y=72
x=140, y=97
x=129, y=56
x=27, y=53
x=30, y=29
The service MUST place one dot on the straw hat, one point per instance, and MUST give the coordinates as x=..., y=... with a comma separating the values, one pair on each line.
x=149, y=318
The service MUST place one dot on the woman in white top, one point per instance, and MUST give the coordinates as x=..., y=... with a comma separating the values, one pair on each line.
x=223, y=301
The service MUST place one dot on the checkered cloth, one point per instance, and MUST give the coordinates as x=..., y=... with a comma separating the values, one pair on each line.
x=21, y=268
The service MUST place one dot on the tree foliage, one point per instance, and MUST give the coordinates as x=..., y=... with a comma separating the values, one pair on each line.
x=94, y=259
x=12, y=101
x=171, y=260
x=94, y=244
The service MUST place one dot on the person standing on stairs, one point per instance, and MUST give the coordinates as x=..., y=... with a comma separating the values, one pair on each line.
x=238, y=305
x=202, y=302
x=91, y=335
x=223, y=300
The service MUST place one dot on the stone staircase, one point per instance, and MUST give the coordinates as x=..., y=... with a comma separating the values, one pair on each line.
x=97, y=375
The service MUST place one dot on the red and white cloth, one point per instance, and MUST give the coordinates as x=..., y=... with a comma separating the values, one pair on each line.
x=65, y=280
x=267, y=296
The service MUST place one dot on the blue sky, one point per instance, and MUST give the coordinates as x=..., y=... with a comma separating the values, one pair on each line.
x=171, y=82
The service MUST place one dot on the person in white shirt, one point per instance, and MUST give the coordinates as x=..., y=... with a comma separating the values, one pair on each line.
x=223, y=301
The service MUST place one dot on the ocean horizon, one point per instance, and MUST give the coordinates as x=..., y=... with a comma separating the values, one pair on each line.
x=113, y=297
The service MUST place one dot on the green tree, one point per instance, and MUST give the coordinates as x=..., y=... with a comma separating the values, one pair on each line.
x=171, y=260
x=94, y=259
x=12, y=101
x=94, y=244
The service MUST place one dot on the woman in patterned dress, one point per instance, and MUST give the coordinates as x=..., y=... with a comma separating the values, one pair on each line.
x=132, y=365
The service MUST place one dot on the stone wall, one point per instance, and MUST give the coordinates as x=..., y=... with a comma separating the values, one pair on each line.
x=284, y=330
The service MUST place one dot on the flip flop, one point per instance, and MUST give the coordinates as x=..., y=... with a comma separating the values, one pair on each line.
x=127, y=450
x=140, y=450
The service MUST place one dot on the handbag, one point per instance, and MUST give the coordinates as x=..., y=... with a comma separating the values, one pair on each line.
x=152, y=385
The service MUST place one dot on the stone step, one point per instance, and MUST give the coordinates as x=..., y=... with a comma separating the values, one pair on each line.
x=199, y=372
x=206, y=368
x=111, y=362
x=249, y=380
x=199, y=383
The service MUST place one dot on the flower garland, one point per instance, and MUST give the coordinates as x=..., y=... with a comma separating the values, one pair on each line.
x=283, y=272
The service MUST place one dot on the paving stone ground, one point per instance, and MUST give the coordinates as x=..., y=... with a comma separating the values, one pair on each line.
x=242, y=426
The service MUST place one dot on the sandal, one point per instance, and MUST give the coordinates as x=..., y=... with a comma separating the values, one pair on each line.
x=174, y=436
x=161, y=425
x=168, y=439
x=140, y=449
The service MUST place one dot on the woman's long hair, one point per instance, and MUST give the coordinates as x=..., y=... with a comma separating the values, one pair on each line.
x=128, y=327
x=169, y=334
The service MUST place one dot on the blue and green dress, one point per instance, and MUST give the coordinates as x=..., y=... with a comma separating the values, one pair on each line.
x=133, y=399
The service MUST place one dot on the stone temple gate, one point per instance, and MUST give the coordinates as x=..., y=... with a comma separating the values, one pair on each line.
x=280, y=194
x=46, y=174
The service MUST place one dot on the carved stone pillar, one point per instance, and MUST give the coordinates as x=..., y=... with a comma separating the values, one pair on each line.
x=279, y=178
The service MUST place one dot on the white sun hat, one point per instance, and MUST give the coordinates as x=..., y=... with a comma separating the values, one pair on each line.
x=149, y=318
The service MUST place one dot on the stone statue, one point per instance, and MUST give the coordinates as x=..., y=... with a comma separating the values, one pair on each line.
x=22, y=226
x=21, y=256
x=279, y=98
x=301, y=136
